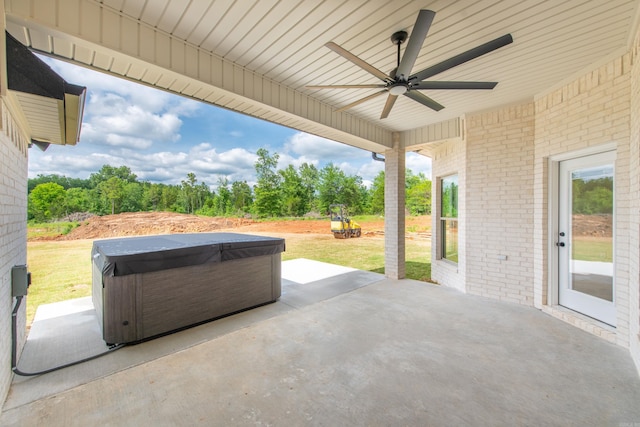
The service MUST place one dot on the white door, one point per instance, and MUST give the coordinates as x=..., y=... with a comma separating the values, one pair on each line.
x=585, y=236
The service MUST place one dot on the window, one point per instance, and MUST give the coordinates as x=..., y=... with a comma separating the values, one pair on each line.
x=449, y=217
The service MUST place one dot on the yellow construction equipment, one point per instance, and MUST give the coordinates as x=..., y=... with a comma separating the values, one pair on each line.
x=341, y=226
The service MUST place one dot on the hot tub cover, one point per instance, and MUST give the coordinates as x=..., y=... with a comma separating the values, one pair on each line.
x=134, y=255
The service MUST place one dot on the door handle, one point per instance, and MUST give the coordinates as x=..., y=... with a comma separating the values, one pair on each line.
x=561, y=244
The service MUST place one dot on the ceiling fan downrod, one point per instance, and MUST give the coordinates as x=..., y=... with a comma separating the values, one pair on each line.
x=398, y=38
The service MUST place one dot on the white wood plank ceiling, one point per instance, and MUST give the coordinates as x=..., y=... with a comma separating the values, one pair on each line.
x=258, y=56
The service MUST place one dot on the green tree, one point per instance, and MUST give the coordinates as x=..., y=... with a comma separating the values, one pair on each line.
x=330, y=186
x=354, y=194
x=112, y=190
x=241, y=197
x=418, y=194
x=309, y=176
x=62, y=180
x=222, y=200
x=336, y=187
x=170, y=195
x=376, y=203
x=106, y=172
x=189, y=193
x=46, y=201
x=293, y=193
x=593, y=196
x=132, y=197
x=267, y=190
x=152, y=196
x=77, y=200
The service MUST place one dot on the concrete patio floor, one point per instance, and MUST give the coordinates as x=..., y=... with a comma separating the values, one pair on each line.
x=351, y=348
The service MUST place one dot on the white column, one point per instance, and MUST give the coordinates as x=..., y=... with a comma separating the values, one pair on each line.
x=394, y=206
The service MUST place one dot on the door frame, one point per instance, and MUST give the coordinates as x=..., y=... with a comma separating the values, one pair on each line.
x=553, y=226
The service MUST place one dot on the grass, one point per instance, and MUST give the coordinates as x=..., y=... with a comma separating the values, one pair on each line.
x=49, y=229
x=61, y=270
x=593, y=249
x=363, y=253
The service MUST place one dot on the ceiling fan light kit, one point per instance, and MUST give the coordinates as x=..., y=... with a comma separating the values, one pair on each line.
x=398, y=89
x=400, y=81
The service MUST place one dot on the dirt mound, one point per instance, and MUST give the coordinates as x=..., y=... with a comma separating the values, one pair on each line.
x=598, y=225
x=145, y=223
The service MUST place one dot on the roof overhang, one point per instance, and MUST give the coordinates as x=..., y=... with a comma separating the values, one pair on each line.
x=52, y=108
x=263, y=58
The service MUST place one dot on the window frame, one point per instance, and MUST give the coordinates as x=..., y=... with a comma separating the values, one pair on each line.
x=448, y=216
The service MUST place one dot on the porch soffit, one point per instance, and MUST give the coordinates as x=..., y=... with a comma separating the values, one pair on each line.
x=257, y=56
x=50, y=107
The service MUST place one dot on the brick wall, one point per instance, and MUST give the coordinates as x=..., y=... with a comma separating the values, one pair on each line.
x=499, y=196
x=394, y=206
x=449, y=158
x=13, y=234
x=504, y=164
x=590, y=112
x=634, y=206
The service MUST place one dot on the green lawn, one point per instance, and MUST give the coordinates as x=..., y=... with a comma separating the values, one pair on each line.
x=49, y=229
x=592, y=249
x=61, y=270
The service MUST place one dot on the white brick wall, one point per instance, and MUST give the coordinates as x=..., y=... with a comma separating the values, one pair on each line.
x=503, y=168
x=634, y=207
x=499, y=196
x=13, y=234
x=591, y=111
x=394, y=206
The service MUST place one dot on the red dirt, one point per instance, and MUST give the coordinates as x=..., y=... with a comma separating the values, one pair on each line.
x=146, y=223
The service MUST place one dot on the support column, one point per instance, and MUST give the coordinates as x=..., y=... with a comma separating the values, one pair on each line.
x=394, y=205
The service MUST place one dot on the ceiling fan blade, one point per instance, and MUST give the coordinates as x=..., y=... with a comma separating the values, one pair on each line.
x=345, y=86
x=454, y=85
x=388, y=106
x=360, y=101
x=463, y=57
x=416, y=40
x=359, y=62
x=424, y=100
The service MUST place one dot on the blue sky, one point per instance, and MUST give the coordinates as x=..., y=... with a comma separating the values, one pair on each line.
x=162, y=137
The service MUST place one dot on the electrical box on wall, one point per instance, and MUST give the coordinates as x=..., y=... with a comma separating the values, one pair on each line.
x=20, y=280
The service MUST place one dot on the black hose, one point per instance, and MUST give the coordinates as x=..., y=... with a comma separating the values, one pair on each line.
x=14, y=348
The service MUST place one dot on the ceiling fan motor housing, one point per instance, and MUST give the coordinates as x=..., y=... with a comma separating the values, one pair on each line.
x=401, y=80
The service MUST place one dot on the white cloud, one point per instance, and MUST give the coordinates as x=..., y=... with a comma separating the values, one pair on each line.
x=115, y=121
x=368, y=171
x=322, y=149
x=159, y=137
x=418, y=164
x=147, y=98
x=122, y=113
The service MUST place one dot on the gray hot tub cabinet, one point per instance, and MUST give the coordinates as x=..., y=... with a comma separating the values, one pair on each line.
x=147, y=286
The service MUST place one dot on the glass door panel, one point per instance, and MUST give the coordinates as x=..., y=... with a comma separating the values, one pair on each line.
x=585, y=240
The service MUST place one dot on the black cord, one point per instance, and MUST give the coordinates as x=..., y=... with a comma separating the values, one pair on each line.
x=14, y=348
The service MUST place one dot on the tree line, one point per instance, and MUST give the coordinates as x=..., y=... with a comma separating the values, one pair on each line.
x=288, y=192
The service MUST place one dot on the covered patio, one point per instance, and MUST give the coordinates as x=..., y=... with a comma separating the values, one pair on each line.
x=351, y=348
x=505, y=339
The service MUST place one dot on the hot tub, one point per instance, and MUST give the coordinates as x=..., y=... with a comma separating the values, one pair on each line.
x=148, y=286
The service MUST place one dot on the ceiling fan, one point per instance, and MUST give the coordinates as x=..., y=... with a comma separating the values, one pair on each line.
x=400, y=82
